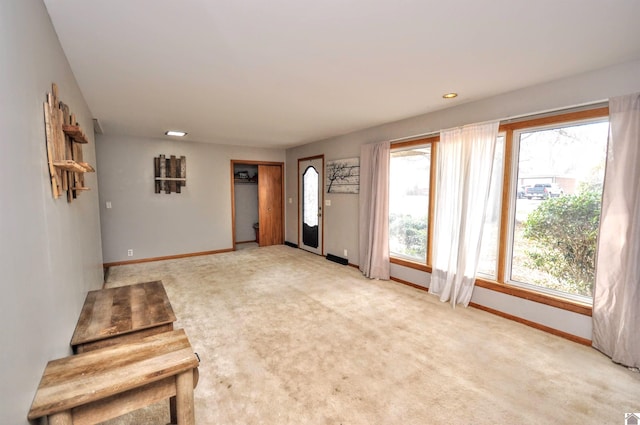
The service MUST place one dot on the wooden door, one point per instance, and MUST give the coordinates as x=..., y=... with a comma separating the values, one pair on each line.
x=270, y=207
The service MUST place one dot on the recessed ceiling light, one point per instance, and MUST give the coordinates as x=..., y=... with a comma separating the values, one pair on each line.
x=175, y=133
x=450, y=95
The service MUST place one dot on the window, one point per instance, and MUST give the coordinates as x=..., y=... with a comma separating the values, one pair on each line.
x=409, y=200
x=539, y=239
x=558, y=173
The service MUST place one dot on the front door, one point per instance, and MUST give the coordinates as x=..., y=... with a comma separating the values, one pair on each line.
x=311, y=184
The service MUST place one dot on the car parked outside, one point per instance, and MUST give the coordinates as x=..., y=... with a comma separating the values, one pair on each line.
x=544, y=191
x=522, y=190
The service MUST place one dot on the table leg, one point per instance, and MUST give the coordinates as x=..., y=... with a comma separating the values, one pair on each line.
x=184, y=398
x=61, y=418
x=173, y=415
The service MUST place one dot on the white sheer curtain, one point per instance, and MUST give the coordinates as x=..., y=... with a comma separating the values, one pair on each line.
x=465, y=162
x=616, y=300
x=374, y=210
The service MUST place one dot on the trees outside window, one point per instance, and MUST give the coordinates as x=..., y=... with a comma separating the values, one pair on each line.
x=544, y=207
x=409, y=191
x=555, y=225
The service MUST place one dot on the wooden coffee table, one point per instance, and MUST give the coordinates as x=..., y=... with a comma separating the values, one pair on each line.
x=123, y=314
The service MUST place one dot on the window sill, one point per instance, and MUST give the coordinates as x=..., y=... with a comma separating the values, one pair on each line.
x=573, y=306
x=410, y=264
x=561, y=303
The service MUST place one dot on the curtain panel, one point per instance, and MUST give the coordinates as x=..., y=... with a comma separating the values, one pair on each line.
x=374, y=210
x=465, y=162
x=616, y=300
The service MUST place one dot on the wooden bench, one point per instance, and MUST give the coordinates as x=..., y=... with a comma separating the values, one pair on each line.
x=93, y=387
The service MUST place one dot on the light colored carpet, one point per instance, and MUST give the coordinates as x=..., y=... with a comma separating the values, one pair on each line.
x=287, y=337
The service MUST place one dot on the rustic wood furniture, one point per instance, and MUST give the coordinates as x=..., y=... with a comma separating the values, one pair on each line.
x=95, y=386
x=116, y=315
x=64, y=148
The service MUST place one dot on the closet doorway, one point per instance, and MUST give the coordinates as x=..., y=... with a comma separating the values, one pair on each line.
x=257, y=202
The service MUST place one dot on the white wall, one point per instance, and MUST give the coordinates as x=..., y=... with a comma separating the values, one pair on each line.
x=246, y=208
x=341, y=218
x=50, y=251
x=156, y=225
x=246, y=195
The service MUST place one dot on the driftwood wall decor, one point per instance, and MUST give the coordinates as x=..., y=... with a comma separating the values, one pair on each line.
x=64, y=148
x=170, y=173
x=343, y=175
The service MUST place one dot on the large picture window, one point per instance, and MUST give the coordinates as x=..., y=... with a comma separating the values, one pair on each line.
x=409, y=197
x=539, y=239
x=542, y=221
x=559, y=172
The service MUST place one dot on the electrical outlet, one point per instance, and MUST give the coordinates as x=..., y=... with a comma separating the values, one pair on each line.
x=130, y=253
x=345, y=253
x=108, y=204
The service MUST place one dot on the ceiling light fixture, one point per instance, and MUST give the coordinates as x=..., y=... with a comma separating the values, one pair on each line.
x=450, y=95
x=175, y=133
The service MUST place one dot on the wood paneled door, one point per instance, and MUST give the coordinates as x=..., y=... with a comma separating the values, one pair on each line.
x=270, y=207
x=270, y=202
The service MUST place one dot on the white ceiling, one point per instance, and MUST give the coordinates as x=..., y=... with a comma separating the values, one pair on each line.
x=280, y=73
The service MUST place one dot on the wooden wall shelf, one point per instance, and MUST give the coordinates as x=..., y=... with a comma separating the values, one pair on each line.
x=75, y=132
x=71, y=165
x=245, y=181
x=87, y=167
x=64, y=148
